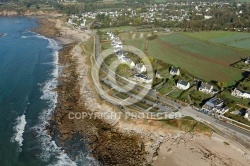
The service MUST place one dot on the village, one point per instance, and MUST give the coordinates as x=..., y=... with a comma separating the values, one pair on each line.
x=171, y=16
x=209, y=97
x=180, y=86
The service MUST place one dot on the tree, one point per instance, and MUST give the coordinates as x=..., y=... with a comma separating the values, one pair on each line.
x=117, y=32
x=222, y=85
x=37, y=6
x=28, y=4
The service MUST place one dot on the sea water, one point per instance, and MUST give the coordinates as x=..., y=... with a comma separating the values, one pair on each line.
x=28, y=74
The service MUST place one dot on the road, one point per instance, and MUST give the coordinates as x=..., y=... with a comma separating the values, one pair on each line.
x=132, y=98
x=186, y=111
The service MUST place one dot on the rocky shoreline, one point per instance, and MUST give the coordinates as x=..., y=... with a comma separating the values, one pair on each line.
x=117, y=141
x=106, y=143
x=17, y=12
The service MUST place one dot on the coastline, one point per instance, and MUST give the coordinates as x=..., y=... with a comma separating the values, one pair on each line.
x=28, y=12
x=122, y=147
x=117, y=142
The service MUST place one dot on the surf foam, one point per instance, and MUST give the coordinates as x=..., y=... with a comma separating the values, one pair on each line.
x=19, y=130
x=49, y=148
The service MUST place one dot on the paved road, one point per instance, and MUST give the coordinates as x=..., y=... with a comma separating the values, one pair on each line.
x=186, y=111
x=136, y=98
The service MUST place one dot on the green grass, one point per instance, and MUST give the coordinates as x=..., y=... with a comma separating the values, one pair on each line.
x=237, y=118
x=150, y=98
x=245, y=85
x=231, y=101
x=123, y=70
x=88, y=46
x=189, y=125
x=120, y=29
x=203, y=59
x=176, y=93
x=105, y=45
x=235, y=39
x=133, y=57
x=241, y=65
x=188, y=118
x=160, y=1
x=167, y=87
x=184, y=96
x=108, y=61
x=205, y=35
x=143, y=105
x=198, y=97
x=238, y=40
x=122, y=95
x=153, y=37
x=202, y=49
x=138, y=43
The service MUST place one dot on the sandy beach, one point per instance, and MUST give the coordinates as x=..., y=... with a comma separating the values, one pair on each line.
x=119, y=141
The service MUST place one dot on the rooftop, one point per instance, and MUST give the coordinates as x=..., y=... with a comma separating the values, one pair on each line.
x=185, y=83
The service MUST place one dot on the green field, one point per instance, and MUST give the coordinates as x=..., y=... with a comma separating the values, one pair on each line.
x=188, y=124
x=161, y=1
x=196, y=53
x=120, y=29
x=233, y=39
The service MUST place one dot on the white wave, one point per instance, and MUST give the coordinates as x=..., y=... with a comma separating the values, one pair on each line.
x=19, y=129
x=48, y=146
x=63, y=160
x=52, y=43
x=82, y=159
x=25, y=37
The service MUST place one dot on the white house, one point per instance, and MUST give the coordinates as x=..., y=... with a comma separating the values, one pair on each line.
x=70, y=21
x=184, y=85
x=157, y=75
x=174, y=71
x=240, y=94
x=142, y=78
x=247, y=115
x=113, y=43
x=83, y=23
x=127, y=61
x=215, y=105
x=118, y=48
x=206, y=88
x=247, y=61
x=140, y=68
x=207, y=17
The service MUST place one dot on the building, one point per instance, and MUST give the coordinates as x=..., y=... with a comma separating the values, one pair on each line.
x=157, y=75
x=142, y=78
x=174, y=71
x=247, y=61
x=241, y=94
x=206, y=88
x=247, y=115
x=207, y=17
x=184, y=85
x=128, y=61
x=214, y=105
x=140, y=68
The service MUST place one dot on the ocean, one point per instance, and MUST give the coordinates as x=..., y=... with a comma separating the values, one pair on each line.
x=28, y=72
